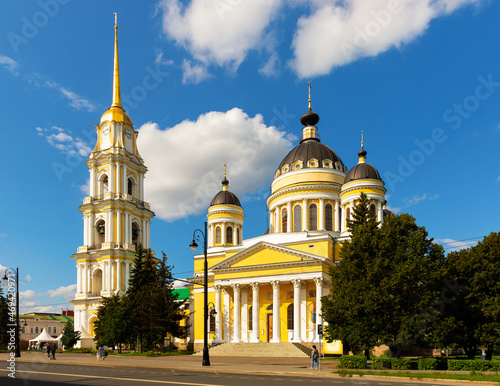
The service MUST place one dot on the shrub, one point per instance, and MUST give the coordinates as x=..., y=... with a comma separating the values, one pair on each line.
x=381, y=363
x=473, y=365
x=353, y=362
x=427, y=364
x=400, y=363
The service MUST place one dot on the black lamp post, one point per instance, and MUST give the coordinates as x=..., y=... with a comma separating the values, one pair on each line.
x=17, y=348
x=194, y=246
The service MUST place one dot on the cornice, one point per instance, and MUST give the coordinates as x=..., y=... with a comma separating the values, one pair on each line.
x=300, y=188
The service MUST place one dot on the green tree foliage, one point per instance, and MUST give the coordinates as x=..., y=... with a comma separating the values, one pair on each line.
x=471, y=317
x=69, y=336
x=156, y=312
x=4, y=320
x=386, y=287
x=114, y=326
x=361, y=213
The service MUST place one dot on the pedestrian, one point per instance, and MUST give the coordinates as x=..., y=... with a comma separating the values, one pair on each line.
x=483, y=354
x=47, y=347
x=53, y=349
x=314, y=357
x=100, y=354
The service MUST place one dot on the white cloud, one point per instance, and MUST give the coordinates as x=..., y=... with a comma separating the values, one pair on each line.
x=452, y=245
x=415, y=199
x=57, y=137
x=185, y=162
x=498, y=179
x=10, y=64
x=342, y=31
x=394, y=209
x=74, y=99
x=194, y=73
x=219, y=32
x=67, y=292
x=27, y=279
x=271, y=67
x=159, y=59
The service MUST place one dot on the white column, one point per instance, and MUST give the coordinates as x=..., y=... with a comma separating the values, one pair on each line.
x=236, y=313
x=112, y=173
x=104, y=276
x=290, y=217
x=111, y=227
x=226, y=315
x=303, y=311
x=319, y=293
x=235, y=241
x=244, y=314
x=276, y=312
x=271, y=230
x=144, y=233
x=119, y=226
x=79, y=278
x=380, y=213
x=321, y=214
x=126, y=227
x=336, y=214
x=88, y=273
x=223, y=235
x=305, y=226
x=91, y=229
x=118, y=275
x=112, y=276
x=124, y=179
x=218, y=309
x=296, y=310
x=127, y=274
x=119, y=173
x=277, y=220
x=92, y=181
x=141, y=187
x=255, y=313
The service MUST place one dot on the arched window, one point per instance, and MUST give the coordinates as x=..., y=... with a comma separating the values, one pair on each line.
x=49, y=330
x=238, y=236
x=313, y=217
x=136, y=232
x=250, y=318
x=36, y=330
x=289, y=317
x=217, y=235
x=105, y=185
x=348, y=214
x=372, y=211
x=101, y=232
x=54, y=329
x=269, y=307
x=130, y=185
x=297, y=219
x=284, y=220
x=229, y=235
x=328, y=217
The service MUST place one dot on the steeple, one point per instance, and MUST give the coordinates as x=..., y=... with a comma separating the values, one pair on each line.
x=117, y=98
x=309, y=120
x=362, y=153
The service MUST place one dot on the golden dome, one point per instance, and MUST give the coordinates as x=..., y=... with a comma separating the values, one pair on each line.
x=116, y=114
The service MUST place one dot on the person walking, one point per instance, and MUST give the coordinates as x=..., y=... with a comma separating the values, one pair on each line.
x=47, y=347
x=314, y=357
x=53, y=349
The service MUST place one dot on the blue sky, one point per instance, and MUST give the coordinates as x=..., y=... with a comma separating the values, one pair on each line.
x=225, y=81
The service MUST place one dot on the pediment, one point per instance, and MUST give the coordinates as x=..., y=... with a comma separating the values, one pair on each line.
x=266, y=255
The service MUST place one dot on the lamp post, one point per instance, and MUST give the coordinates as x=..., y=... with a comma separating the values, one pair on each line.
x=194, y=246
x=17, y=348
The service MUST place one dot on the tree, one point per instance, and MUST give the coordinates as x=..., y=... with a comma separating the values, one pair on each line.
x=155, y=309
x=69, y=336
x=4, y=320
x=471, y=317
x=114, y=326
x=386, y=287
x=361, y=213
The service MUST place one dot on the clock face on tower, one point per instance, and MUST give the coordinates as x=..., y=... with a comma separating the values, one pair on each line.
x=128, y=133
x=105, y=130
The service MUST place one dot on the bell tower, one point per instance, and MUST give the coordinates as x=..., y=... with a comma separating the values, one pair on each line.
x=116, y=219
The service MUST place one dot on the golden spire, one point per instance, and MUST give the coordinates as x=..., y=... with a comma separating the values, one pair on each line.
x=224, y=170
x=117, y=98
x=225, y=182
x=362, y=153
x=361, y=139
x=309, y=83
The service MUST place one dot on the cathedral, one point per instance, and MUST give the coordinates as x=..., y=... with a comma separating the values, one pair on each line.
x=262, y=289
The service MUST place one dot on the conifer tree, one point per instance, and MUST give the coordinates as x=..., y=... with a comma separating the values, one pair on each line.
x=69, y=336
x=361, y=213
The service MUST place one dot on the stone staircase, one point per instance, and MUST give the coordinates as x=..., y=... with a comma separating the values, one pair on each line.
x=264, y=349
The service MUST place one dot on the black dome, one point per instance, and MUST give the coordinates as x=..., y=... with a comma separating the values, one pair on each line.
x=225, y=197
x=310, y=148
x=362, y=171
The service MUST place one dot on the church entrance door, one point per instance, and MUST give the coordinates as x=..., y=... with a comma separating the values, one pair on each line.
x=269, y=327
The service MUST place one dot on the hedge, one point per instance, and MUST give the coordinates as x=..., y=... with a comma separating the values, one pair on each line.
x=473, y=365
x=353, y=362
x=381, y=363
x=400, y=363
x=427, y=364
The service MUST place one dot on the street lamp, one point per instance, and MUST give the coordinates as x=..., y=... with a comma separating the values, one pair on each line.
x=17, y=348
x=194, y=246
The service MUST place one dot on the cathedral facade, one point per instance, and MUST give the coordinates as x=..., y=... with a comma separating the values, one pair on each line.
x=269, y=288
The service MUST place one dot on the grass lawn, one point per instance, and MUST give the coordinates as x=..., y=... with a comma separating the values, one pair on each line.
x=435, y=375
